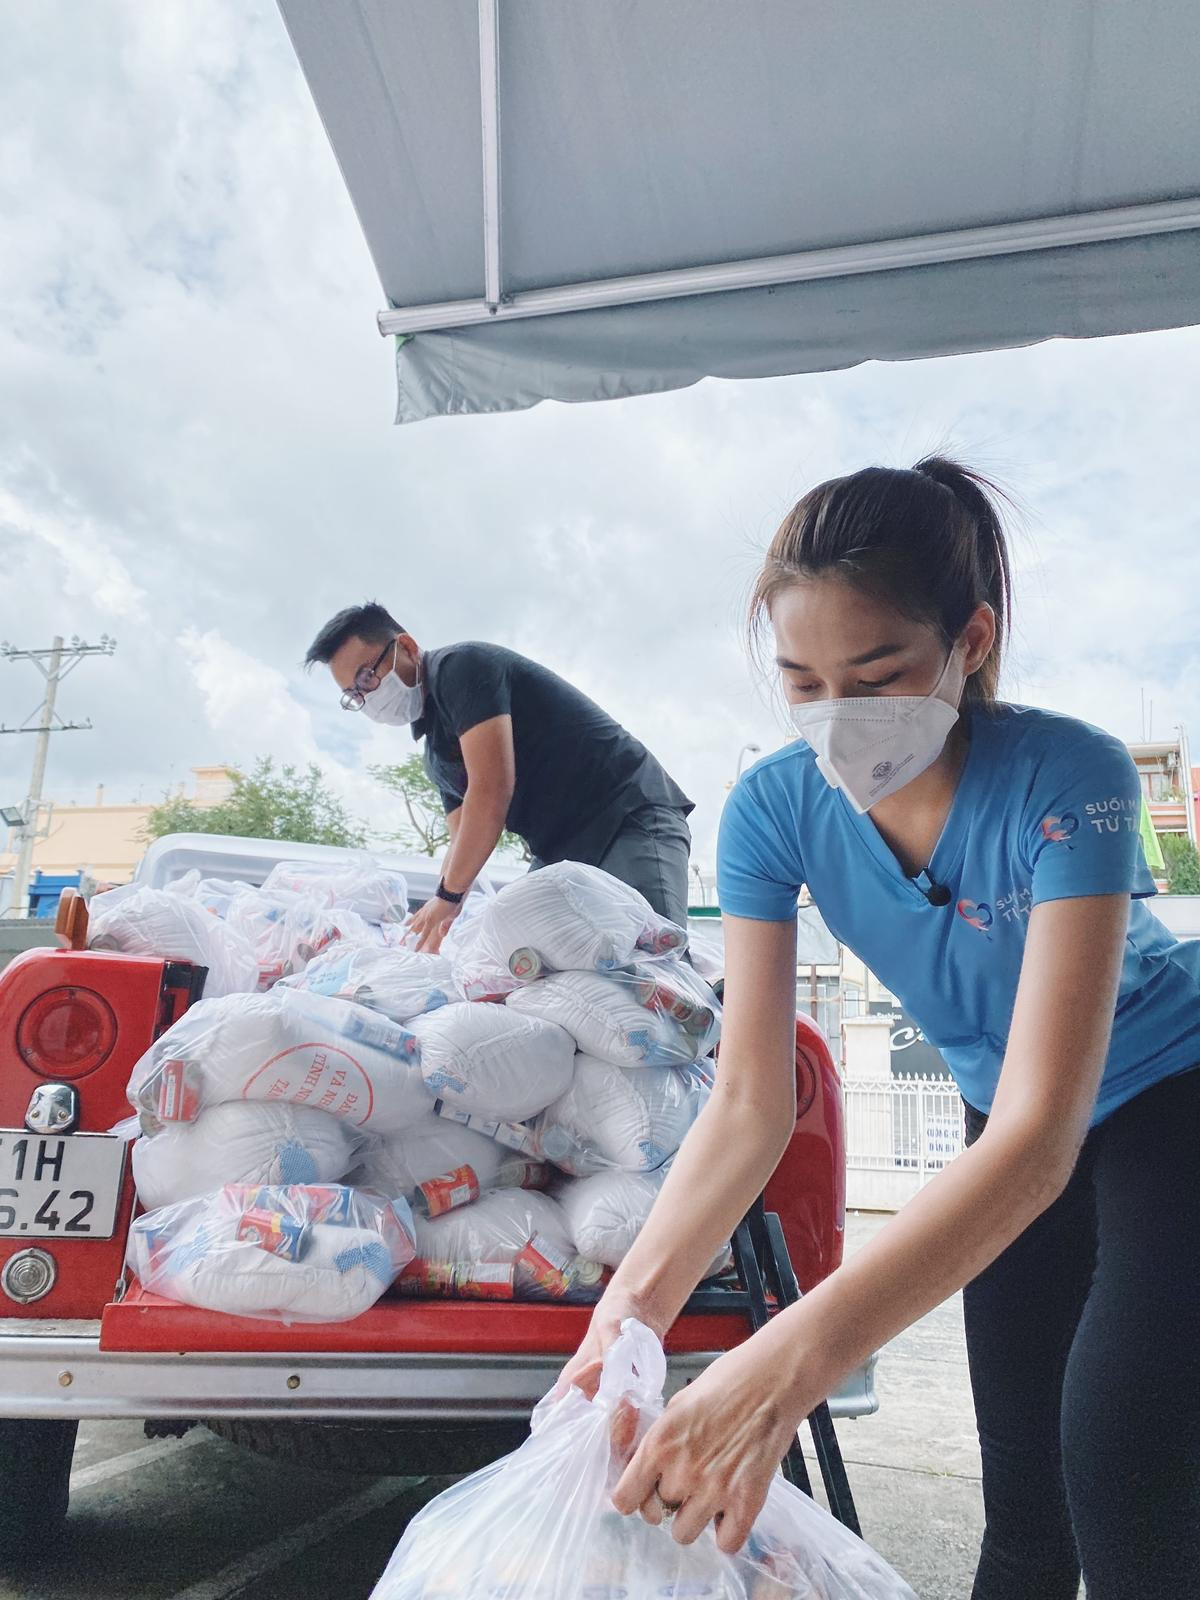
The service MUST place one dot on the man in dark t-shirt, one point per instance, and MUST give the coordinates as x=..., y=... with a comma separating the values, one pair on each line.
x=510, y=744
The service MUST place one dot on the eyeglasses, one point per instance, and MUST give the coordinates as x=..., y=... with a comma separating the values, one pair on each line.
x=366, y=680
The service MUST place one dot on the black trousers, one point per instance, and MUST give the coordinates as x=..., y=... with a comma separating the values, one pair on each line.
x=1084, y=1347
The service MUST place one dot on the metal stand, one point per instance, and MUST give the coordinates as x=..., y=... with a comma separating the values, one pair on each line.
x=763, y=1264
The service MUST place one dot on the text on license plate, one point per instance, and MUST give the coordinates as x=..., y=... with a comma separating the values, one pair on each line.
x=66, y=1187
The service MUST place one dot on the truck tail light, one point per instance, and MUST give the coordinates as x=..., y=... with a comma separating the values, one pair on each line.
x=66, y=1033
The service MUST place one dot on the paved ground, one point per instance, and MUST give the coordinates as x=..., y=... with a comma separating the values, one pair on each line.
x=197, y=1519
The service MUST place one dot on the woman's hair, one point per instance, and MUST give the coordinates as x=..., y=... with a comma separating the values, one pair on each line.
x=928, y=541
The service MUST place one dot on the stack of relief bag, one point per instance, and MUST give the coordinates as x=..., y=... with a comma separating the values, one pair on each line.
x=496, y=1121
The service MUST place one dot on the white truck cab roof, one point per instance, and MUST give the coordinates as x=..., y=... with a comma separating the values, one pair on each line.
x=250, y=861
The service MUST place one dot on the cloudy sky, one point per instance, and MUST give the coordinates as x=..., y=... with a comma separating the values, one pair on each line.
x=196, y=453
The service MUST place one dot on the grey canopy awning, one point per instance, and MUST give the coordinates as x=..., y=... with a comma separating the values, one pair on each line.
x=584, y=199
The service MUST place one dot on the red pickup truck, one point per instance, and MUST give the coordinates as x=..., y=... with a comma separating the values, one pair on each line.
x=409, y=1387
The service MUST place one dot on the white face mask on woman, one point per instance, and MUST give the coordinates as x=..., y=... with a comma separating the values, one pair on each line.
x=394, y=702
x=873, y=745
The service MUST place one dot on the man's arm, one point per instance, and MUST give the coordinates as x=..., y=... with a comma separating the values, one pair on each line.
x=491, y=762
x=475, y=827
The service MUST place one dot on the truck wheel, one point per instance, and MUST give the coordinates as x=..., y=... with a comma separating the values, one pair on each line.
x=383, y=1449
x=35, y=1481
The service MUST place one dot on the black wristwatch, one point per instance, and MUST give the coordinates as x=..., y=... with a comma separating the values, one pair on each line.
x=448, y=895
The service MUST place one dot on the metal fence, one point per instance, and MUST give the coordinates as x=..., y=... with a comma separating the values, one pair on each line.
x=900, y=1132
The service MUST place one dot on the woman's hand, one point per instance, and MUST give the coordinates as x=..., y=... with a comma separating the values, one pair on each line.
x=583, y=1369
x=717, y=1446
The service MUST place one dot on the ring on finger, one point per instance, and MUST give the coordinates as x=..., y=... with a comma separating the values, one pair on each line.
x=667, y=1507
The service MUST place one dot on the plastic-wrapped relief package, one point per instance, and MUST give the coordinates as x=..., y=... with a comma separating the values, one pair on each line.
x=402, y=984
x=156, y=922
x=287, y=930
x=563, y=918
x=490, y=1062
x=243, y=1142
x=213, y=894
x=358, y=883
x=495, y=1228
x=290, y=1254
x=605, y=1214
x=659, y=1015
x=305, y=1049
x=434, y=1150
x=539, y=1524
x=629, y=1117
x=511, y=1244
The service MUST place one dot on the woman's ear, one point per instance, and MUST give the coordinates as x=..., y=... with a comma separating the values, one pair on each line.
x=979, y=636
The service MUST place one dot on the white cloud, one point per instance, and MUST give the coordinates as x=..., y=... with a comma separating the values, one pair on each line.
x=87, y=566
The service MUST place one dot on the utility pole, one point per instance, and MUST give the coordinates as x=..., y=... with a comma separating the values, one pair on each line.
x=54, y=665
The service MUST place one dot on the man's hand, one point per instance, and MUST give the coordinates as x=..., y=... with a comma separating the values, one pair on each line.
x=428, y=926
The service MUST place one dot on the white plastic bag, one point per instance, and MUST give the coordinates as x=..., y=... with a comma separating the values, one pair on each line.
x=626, y=1017
x=305, y=1049
x=511, y=1244
x=396, y=1163
x=213, y=894
x=563, y=918
x=244, y=1142
x=629, y=1117
x=287, y=930
x=439, y=1165
x=539, y=1524
x=357, y=882
x=495, y=1228
x=490, y=1062
x=605, y=1214
x=155, y=922
x=295, y=1254
x=402, y=984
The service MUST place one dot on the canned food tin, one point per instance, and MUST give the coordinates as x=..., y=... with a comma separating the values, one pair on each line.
x=272, y=1230
x=544, y=1267
x=457, y=1280
x=179, y=1091
x=526, y=964
x=439, y=1195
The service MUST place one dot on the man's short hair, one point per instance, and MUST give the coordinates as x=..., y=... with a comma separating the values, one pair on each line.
x=370, y=622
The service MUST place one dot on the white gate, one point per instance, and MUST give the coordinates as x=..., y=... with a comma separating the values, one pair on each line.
x=900, y=1132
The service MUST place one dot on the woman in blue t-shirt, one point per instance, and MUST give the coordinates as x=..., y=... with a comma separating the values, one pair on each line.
x=984, y=860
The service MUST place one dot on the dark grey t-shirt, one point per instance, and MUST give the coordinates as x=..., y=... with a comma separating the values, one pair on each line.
x=579, y=773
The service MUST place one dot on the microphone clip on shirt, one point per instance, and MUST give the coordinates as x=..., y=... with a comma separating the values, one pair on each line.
x=936, y=893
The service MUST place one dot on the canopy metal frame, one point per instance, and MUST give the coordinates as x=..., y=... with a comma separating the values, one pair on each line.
x=803, y=266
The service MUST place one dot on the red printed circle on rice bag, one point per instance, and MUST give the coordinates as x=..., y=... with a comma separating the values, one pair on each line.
x=322, y=1076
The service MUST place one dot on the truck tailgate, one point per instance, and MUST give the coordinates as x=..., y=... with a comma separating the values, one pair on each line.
x=145, y=1322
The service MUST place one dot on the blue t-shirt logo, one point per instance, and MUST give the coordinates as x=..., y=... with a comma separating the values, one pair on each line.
x=977, y=913
x=1057, y=830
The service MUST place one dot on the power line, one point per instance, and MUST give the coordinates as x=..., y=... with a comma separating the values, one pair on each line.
x=54, y=664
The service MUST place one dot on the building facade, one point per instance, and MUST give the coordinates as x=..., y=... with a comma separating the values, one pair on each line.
x=104, y=841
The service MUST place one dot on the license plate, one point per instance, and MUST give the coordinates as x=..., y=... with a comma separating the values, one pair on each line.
x=59, y=1188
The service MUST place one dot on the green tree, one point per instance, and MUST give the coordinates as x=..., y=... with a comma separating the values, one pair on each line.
x=289, y=804
x=425, y=830
x=1183, y=864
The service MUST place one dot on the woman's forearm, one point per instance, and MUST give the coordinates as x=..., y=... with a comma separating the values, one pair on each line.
x=720, y=1170
x=945, y=1236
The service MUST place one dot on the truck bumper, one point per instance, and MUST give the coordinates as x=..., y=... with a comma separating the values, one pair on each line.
x=58, y=1370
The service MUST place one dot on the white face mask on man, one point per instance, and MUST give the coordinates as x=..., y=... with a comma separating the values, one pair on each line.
x=872, y=745
x=394, y=702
